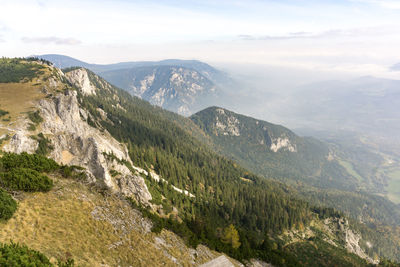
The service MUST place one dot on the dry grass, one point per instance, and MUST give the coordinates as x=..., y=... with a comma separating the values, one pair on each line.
x=17, y=99
x=20, y=98
x=61, y=224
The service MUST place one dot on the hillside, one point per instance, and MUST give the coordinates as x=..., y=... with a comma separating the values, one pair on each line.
x=273, y=150
x=174, y=88
x=128, y=149
x=182, y=86
x=322, y=173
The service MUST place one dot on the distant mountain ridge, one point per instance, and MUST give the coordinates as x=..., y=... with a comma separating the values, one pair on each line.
x=182, y=86
x=271, y=150
x=140, y=151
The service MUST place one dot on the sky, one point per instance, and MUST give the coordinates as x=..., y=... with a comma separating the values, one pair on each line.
x=360, y=37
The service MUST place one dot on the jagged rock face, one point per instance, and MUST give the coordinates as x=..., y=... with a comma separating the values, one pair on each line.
x=21, y=142
x=282, y=143
x=351, y=238
x=226, y=124
x=178, y=89
x=80, y=79
x=74, y=142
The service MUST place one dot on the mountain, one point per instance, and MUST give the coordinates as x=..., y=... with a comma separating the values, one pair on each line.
x=273, y=150
x=182, y=86
x=174, y=88
x=323, y=173
x=62, y=62
x=121, y=168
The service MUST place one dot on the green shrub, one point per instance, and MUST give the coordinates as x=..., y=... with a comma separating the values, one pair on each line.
x=3, y=112
x=7, y=205
x=35, y=117
x=31, y=127
x=20, y=255
x=36, y=162
x=5, y=138
x=16, y=255
x=74, y=172
x=26, y=180
x=44, y=146
x=16, y=70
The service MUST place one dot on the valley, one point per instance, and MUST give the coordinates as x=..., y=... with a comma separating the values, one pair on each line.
x=233, y=133
x=142, y=166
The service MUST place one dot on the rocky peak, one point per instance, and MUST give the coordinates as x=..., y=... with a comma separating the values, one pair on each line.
x=226, y=124
x=172, y=87
x=75, y=142
x=80, y=79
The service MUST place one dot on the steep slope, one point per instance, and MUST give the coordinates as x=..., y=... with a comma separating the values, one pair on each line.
x=90, y=220
x=133, y=149
x=60, y=129
x=95, y=230
x=196, y=170
x=316, y=169
x=174, y=88
x=182, y=86
x=272, y=150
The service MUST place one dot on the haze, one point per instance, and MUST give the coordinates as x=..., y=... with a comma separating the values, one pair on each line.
x=359, y=36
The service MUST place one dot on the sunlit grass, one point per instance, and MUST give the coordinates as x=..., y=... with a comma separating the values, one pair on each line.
x=349, y=168
x=394, y=186
x=60, y=225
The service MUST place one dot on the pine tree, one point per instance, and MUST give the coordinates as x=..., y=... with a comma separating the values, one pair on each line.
x=231, y=236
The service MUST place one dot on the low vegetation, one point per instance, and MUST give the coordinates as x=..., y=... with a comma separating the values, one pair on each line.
x=16, y=255
x=19, y=255
x=7, y=205
x=3, y=113
x=27, y=180
x=27, y=172
x=44, y=144
x=12, y=71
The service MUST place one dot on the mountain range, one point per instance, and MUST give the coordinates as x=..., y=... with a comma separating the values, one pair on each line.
x=182, y=86
x=133, y=184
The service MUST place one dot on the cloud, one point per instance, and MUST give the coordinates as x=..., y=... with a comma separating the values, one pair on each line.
x=389, y=4
x=395, y=67
x=356, y=32
x=51, y=40
x=292, y=35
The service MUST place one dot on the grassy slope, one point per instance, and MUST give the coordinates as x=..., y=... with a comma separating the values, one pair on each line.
x=73, y=220
x=20, y=98
x=394, y=186
x=17, y=99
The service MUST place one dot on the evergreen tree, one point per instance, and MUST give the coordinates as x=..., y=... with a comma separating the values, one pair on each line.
x=231, y=236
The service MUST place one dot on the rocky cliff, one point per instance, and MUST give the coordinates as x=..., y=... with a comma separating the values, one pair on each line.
x=179, y=89
x=74, y=142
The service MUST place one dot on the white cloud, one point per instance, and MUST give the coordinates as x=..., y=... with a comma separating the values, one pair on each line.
x=389, y=4
x=278, y=32
x=51, y=40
